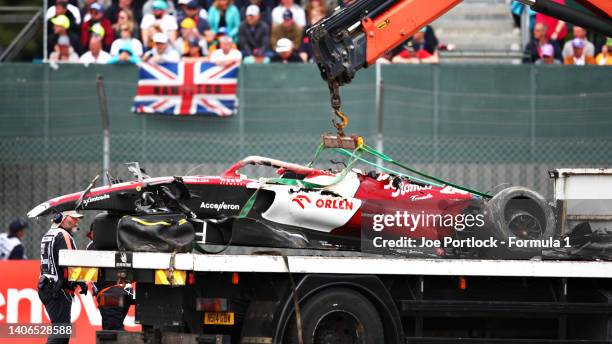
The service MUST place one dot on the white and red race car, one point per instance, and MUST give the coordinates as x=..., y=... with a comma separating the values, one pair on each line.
x=305, y=207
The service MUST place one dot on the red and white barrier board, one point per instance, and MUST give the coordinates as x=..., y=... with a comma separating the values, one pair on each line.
x=19, y=304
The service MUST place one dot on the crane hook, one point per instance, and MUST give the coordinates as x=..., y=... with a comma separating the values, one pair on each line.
x=342, y=123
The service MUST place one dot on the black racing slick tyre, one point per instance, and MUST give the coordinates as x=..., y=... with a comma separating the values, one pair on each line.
x=337, y=316
x=104, y=227
x=519, y=214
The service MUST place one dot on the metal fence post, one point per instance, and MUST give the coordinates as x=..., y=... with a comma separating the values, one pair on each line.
x=533, y=117
x=525, y=29
x=436, y=111
x=379, y=112
x=241, y=108
x=45, y=28
x=105, y=129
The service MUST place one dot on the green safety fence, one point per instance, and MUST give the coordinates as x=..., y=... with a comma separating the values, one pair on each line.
x=484, y=127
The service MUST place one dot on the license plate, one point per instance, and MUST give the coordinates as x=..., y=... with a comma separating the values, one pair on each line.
x=219, y=318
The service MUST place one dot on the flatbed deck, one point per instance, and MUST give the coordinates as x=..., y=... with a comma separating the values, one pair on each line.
x=266, y=262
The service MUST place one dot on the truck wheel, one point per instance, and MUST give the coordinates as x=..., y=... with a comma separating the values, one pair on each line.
x=520, y=213
x=337, y=316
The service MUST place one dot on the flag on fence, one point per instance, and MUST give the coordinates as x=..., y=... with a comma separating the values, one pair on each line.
x=187, y=88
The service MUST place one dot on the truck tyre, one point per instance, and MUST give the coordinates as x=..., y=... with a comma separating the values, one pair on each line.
x=522, y=214
x=337, y=316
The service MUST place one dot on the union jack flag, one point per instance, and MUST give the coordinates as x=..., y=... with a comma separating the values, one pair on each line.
x=187, y=88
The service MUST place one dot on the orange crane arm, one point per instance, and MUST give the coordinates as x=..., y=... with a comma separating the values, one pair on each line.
x=401, y=21
x=354, y=36
x=602, y=7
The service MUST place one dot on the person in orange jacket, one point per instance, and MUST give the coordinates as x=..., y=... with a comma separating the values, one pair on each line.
x=579, y=58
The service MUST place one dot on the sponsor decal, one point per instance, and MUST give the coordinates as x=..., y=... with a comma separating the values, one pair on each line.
x=341, y=204
x=405, y=188
x=300, y=199
x=420, y=198
x=88, y=200
x=219, y=206
x=328, y=203
x=231, y=181
x=123, y=259
x=449, y=190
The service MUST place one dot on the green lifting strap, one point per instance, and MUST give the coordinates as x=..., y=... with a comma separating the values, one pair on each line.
x=388, y=170
x=382, y=156
x=355, y=156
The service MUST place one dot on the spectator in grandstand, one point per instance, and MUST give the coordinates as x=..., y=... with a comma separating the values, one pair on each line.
x=533, y=48
x=126, y=16
x=162, y=51
x=62, y=7
x=124, y=55
x=189, y=35
x=253, y=33
x=214, y=45
x=227, y=54
x=305, y=50
x=288, y=29
x=298, y=13
x=95, y=53
x=11, y=246
x=258, y=57
x=547, y=55
x=148, y=7
x=331, y=5
x=422, y=47
x=191, y=9
x=96, y=11
x=579, y=56
x=285, y=52
x=579, y=33
x=63, y=51
x=605, y=57
x=61, y=26
x=557, y=29
x=126, y=38
x=265, y=10
x=114, y=11
x=315, y=11
x=223, y=13
x=161, y=19
x=194, y=52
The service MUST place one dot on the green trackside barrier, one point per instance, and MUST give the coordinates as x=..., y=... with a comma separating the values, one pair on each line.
x=485, y=126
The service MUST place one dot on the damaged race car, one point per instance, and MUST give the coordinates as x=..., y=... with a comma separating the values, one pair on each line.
x=308, y=208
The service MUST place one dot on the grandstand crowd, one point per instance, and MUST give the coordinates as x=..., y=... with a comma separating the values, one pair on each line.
x=551, y=42
x=249, y=31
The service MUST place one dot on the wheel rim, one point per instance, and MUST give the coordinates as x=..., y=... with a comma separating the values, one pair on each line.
x=339, y=327
x=525, y=226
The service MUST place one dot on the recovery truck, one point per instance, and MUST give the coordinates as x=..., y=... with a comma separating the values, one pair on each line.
x=254, y=295
x=275, y=295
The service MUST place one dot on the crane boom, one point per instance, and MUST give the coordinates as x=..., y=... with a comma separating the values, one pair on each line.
x=355, y=36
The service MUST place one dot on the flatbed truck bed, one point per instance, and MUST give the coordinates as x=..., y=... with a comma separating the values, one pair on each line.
x=347, y=297
x=317, y=262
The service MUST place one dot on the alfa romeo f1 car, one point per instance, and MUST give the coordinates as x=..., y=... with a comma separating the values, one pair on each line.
x=303, y=207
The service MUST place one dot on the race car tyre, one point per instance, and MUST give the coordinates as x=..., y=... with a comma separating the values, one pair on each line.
x=104, y=227
x=337, y=316
x=523, y=214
